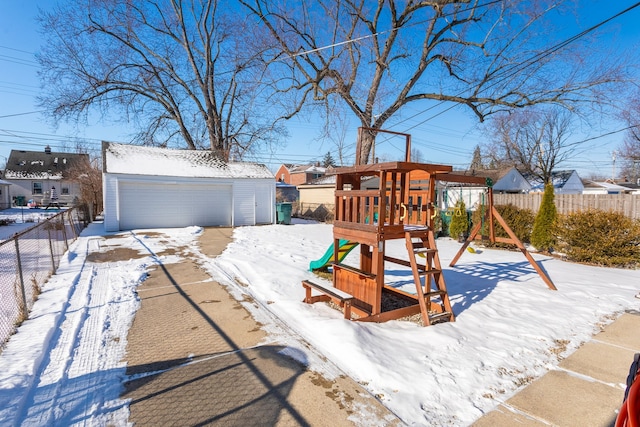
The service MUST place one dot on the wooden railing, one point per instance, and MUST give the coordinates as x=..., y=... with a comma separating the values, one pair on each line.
x=367, y=209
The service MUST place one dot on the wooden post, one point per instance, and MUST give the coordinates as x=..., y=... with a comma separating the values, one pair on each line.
x=492, y=231
x=524, y=250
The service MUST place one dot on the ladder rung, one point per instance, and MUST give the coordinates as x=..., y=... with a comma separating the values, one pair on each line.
x=423, y=250
x=437, y=293
x=426, y=272
x=439, y=316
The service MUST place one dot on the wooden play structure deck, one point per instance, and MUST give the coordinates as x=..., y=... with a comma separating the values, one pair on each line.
x=401, y=206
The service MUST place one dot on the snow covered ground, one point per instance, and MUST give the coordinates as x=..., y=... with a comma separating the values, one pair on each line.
x=22, y=218
x=510, y=327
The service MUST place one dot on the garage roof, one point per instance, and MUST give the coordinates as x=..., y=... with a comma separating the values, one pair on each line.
x=143, y=160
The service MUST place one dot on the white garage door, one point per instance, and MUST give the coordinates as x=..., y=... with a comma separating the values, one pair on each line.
x=150, y=205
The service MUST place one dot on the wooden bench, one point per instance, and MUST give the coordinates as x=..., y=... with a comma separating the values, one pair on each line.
x=330, y=293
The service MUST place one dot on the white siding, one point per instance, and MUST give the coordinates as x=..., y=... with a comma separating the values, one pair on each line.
x=243, y=203
x=110, y=202
x=254, y=201
x=158, y=205
x=265, y=203
x=135, y=201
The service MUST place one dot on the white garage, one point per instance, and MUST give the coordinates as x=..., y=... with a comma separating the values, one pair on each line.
x=148, y=187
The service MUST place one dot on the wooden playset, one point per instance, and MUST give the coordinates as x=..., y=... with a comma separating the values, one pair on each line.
x=402, y=206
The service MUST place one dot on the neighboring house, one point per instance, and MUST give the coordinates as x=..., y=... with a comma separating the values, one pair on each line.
x=504, y=181
x=318, y=192
x=149, y=187
x=299, y=174
x=34, y=173
x=508, y=181
x=564, y=182
x=634, y=188
x=513, y=181
x=593, y=187
x=5, y=195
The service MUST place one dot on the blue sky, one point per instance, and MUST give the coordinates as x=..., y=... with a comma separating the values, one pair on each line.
x=447, y=138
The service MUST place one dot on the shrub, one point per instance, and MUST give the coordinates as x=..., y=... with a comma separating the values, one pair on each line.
x=543, y=236
x=598, y=237
x=459, y=221
x=520, y=221
x=438, y=225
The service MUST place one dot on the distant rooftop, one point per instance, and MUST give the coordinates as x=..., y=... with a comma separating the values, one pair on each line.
x=45, y=164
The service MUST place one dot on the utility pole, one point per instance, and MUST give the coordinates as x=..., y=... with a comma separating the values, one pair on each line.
x=613, y=167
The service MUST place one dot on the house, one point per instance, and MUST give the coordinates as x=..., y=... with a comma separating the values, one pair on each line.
x=508, y=181
x=5, y=195
x=149, y=187
x=317, y=197
x=513, y=181
x=564, y=182
x=634, y=188
x=34, y=174
x=299, y=174
x=594, y=187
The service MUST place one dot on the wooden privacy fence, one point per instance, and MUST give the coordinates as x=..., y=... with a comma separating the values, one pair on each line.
x=626, y=204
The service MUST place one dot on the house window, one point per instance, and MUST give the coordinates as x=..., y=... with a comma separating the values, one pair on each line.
x=37, y=188
x=64, y=190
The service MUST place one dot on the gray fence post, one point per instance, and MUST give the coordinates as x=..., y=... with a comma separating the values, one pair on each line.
x=64, y=234
x=23, y=306
x=53, y=259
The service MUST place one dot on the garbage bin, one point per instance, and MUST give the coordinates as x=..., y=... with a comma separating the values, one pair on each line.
x=20, y=201
x=283, y=211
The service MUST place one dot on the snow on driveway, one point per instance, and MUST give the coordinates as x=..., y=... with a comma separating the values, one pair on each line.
x=64, y=366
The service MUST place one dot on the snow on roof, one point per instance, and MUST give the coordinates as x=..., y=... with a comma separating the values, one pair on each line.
x=558, y=179
x=607, y=186
x=143, y=160
x=308, y=169
x=41, y=164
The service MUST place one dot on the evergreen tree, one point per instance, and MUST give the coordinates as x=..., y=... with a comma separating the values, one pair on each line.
x=543, y=236
x=459, y=221
x=328, y=160
x=476, y=161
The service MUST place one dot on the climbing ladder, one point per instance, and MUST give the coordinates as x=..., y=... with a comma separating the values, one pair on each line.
x=434, y=301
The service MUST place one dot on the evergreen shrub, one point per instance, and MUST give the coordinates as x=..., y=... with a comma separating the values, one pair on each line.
x=543, y=235
x=459, y=221
x=599, y=237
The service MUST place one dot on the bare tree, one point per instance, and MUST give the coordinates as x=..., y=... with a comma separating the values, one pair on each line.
x=535, y=140
x=179, y=69
x=629, y=150
x=88, y=176
x=379, y=56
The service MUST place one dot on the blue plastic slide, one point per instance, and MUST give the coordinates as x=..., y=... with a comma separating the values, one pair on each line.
x=345, y=247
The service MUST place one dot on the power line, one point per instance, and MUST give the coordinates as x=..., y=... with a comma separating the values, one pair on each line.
x=517, y=68
x=22, y=114
x=16, y=50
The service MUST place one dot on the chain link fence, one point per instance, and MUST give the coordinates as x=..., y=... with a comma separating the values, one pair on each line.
x=27, y=260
